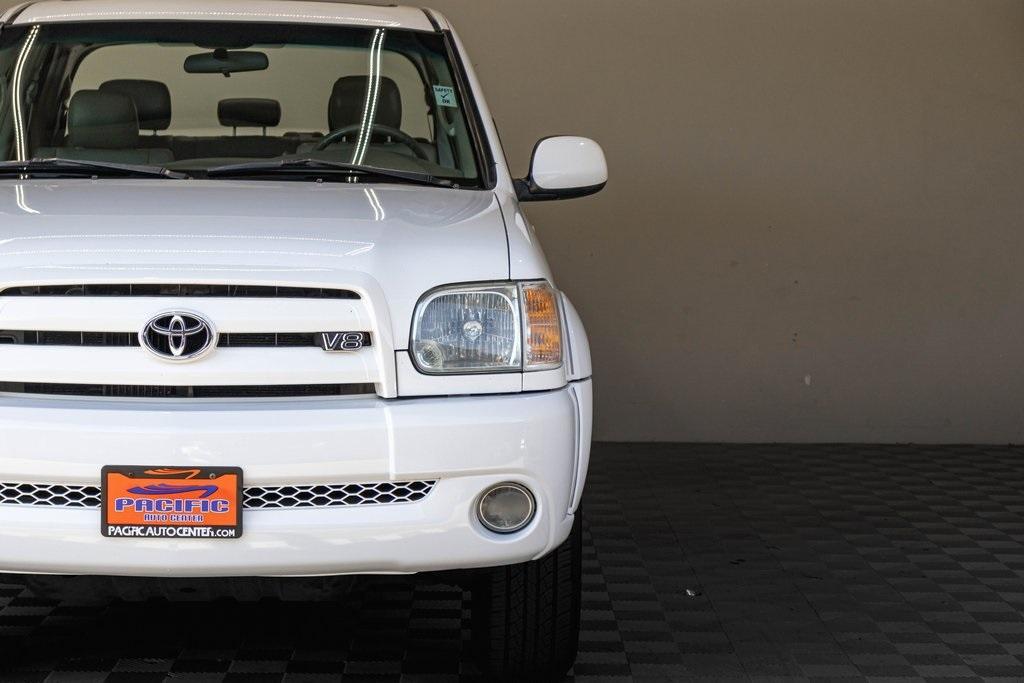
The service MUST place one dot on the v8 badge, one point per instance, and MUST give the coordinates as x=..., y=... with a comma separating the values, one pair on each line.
x=336, y=342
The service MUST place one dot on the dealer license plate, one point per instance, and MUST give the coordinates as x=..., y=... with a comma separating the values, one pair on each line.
x=172, y=502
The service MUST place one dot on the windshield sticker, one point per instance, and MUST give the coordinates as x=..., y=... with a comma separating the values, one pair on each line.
x=445, y=96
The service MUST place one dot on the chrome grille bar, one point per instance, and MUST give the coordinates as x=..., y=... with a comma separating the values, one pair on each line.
x=183, y=290
x=129, y=339
x=186, y=392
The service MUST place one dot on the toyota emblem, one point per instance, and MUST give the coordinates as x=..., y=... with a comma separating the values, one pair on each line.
x=178, y=336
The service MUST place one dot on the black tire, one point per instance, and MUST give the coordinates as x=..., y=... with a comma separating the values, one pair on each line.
x=526, y=617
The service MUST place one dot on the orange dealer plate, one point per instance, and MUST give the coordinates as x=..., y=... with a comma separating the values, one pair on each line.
x=172, y=502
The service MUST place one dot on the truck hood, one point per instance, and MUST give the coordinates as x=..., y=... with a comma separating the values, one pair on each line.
x=393, y=242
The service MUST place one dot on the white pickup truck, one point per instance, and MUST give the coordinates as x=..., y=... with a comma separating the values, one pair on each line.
x=269, y=307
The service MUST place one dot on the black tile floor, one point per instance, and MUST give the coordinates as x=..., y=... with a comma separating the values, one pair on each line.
x=887, y=563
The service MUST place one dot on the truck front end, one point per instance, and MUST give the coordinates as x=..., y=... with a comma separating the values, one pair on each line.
x=269, y=308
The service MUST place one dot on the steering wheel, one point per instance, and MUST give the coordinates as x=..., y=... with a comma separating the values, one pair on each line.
x=409, y=141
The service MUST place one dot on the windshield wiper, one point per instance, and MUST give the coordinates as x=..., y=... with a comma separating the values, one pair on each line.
x=76, y=167
x=273, y=166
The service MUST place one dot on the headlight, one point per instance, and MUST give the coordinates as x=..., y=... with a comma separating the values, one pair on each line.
x=498, y=327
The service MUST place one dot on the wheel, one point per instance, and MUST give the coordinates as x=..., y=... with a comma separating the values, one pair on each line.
x=336, y=136
x=526, y=617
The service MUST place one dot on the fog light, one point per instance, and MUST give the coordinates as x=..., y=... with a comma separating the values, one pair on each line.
x=506, y=508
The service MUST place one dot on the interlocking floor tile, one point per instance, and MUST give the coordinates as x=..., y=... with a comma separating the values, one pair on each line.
x=722, y=562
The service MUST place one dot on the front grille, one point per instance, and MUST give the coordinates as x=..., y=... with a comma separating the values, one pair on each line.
x=50, y=495
x=184, y=290
x=234, y=340
x=255, y=497
x=149, y=391
x=346, y=495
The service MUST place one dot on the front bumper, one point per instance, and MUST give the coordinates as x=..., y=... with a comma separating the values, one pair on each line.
x=465, y=443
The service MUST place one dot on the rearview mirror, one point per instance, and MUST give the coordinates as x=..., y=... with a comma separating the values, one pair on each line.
x=564, y=167
x=226, y=62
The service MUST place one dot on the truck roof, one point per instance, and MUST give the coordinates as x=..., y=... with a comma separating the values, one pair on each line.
x=277, y=11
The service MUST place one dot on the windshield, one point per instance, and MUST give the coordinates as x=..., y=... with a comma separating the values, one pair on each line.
x=191, y=96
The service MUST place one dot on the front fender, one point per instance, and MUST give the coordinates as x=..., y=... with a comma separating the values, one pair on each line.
x=578, y=371
x=577, y=352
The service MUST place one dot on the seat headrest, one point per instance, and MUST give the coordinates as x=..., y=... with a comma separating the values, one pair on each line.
x=244, y=112
x=152, y=101
x=102, y=120
x=348, y=100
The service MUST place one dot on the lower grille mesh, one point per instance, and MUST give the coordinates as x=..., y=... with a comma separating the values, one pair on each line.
x=382, y=493
x=255, y=497
x=50, y=495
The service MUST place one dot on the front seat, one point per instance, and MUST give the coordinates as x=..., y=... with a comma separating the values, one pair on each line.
x=348, y=103
x=104, y=126
x=152, y=101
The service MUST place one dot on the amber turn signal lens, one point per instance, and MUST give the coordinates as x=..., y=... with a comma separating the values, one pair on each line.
x=543, y=327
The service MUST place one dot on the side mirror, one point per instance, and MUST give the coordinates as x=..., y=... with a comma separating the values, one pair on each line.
x=564, y=167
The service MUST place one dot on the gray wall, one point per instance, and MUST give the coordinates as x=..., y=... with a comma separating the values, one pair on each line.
x=815, y=222
x=813, y=230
